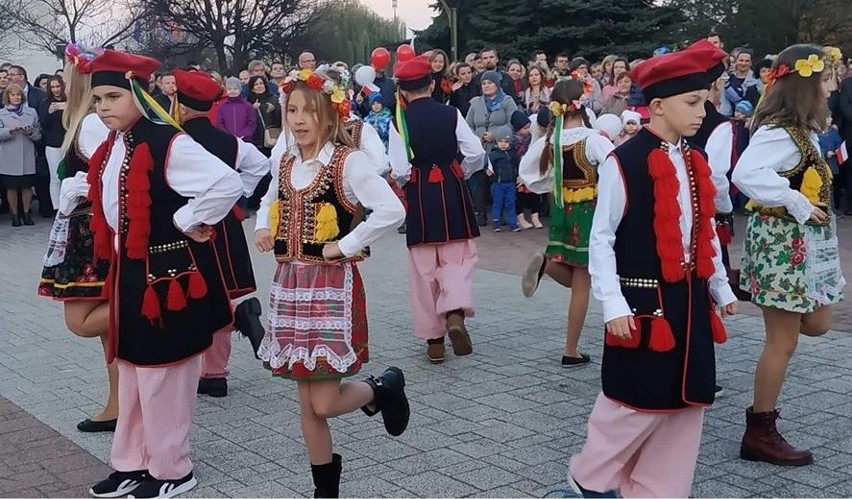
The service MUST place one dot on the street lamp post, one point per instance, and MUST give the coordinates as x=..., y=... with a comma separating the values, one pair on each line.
x=453, y=18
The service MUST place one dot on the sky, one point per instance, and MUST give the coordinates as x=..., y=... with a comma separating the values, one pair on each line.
x=416, y=14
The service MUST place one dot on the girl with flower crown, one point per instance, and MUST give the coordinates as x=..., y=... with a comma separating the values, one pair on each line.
x=790, y=264
x=317, y=332
x=70, y=274
x=565, y=162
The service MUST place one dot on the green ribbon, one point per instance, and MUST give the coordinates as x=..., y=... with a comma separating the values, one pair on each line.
x=62, y=170
x=403, y=128
x=557, y=162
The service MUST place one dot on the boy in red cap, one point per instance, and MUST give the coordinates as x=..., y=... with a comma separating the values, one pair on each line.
x=655, y=266
x=196, y=93
x=155, y=196
x=423, y=146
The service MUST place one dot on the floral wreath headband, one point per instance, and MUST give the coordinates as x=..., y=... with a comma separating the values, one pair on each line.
x=321, y=84
x=807, y=67
x=80, y=56
x=559, y=109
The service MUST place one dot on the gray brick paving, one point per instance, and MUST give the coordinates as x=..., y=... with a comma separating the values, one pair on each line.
x=501, y=423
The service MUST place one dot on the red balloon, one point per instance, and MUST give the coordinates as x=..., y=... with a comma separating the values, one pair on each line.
x=404, y=53
x=380, y=58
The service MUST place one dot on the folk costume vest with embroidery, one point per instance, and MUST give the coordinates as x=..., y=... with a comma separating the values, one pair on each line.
x=166, y=292
x=314, y=216
x=232, y=249
x=355, y=129
x=438, y=200
x=811, y=176
x=579, y=176
x=669, y=362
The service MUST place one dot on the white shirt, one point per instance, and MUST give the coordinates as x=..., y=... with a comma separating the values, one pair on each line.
x=597, y=149
x=371, y=145
x=469, y=144
x=211, y=186
x=719, y=149
x=361, y=185
x=252, y=166
x=610, y=209
x=772, y=150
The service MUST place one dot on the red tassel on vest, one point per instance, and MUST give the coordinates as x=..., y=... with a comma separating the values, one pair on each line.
x=139, y=202
x=412, y=177
x=197, y=286
x=102, y=247
x=706, y=210
x=457, y=169
x=151, y=304
x=632, y=342
x=176, y=300
x=720, y=334
x=666, y=215
x=436, y=176
x=662, y=338
x=238, y=213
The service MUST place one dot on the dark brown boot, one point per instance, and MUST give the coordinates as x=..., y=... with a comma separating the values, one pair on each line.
x=762, y=442
x=458, y=334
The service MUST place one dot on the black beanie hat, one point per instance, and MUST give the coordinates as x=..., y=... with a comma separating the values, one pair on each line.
x=519, y=120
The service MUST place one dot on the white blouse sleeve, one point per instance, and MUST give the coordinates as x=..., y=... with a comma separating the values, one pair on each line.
x=271, y=195
x=719, y=156
x=609, y=211
x=397, y=155
x=598, y=149
x=530, y=172
x=770, y=151
x=373, y=192
x=92, y=134
x=374, y=148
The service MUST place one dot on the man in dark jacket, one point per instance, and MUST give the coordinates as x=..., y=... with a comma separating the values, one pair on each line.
x=491, y=60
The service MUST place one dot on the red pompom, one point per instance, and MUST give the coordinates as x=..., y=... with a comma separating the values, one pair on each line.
x=662, y=338
x=457, y=169
x=197, y=286
x=720, y=335
x=436, y=176
x=151, y=304
x=176, y=300
x=238, y=213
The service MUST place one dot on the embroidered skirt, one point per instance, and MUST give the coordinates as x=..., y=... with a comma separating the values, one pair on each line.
x=790, y=266
x=69, y=272
x=570, y=229
x=317, y=327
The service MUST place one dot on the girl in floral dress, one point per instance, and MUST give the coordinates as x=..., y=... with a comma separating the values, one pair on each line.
x=317, y=332
x=790, y=261
x=70, y=274
x=564, y=162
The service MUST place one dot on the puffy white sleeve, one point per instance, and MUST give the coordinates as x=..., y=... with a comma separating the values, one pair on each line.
x=719, y=155
x=530, y=172
x=609, y=211
x=373, y=192
x=598, y=149
x=374, y=148
x=213, y=188
x=771, y=150
x=92, y=134
x=398, y=156
x=262, y=219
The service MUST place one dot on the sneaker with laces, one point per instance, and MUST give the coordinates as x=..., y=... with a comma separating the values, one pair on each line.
x=153, y=487
x=119, y=484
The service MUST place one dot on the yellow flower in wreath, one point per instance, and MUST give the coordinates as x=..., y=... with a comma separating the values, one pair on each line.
x=337, y=96
x=807, y=67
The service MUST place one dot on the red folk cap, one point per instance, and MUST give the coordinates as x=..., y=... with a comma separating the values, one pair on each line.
x=413, y=74
x=196, y=89
x=713, y=57
x=670, y=74
x=117, y=68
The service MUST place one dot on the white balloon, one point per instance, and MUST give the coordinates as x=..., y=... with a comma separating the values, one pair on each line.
x=365, y=75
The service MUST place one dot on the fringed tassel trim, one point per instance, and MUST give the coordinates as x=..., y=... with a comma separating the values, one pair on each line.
x=704, y=266
x=139, y=202
x=98, y=225
x=667, y=215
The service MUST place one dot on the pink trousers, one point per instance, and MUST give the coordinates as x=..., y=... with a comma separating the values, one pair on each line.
x=440, y=279
x=640, y=454
x=214, y=360
x=157, y=404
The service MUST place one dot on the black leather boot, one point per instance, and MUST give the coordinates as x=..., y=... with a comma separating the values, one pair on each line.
x=327, y=477
x=247, y=322
x=390, y=400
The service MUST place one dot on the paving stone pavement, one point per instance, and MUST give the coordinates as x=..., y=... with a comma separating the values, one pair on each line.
x=500, y=423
